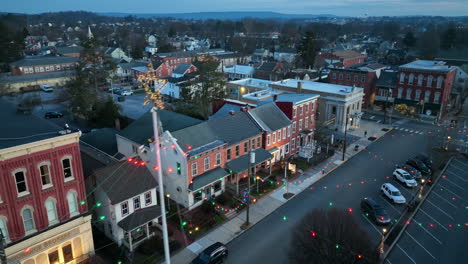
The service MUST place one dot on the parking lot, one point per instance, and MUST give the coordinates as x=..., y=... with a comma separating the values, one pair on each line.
x=438, y=231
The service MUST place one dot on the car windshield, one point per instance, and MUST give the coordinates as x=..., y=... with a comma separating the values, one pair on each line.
x=380, y=211
x=396, y=193
x=407, y=177
x=205, y=257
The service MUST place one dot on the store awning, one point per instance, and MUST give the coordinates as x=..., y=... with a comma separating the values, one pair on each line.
x=273, y=150
x=207, y=178
x=242, y=163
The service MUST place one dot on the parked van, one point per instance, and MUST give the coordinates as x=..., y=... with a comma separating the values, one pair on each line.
x=392, y=193
x=47, y=88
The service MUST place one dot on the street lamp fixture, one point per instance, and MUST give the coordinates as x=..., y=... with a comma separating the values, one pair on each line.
x=384, y=231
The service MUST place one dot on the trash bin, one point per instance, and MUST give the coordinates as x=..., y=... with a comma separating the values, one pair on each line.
x=356, y=148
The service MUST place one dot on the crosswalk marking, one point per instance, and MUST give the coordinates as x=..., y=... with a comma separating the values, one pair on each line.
x=410, y=131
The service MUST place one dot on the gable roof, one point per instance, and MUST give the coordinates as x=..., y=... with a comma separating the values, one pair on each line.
x=129, y=65
x=142, y=129
x=387, y=79
x=182, y=68
x=68, y=50
x=46, y=60
x=268, y=66
x=123, y=180
x=347, y=54
x=270, y=117
x=102, y=139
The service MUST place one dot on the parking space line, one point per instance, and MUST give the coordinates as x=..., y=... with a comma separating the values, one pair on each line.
x=463, y=164
x=456, y=175
x=417, y=242
x=372, y=224
x=453, y=183
x=447, y=189
x=385, y=199
x=405, y=188
x=389, y=261
x=420, y=209
x=440, y=209
x=444, y=199
x=406, y=253
x=421, y=226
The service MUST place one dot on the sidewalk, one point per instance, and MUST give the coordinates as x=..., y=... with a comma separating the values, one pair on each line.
x=269, y=203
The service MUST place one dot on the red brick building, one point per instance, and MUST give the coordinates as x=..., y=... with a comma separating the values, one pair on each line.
x=41, y=189
x=426, y=85
x=173, y=59
x=41, y=65
x=363, y=76
x=343, y=58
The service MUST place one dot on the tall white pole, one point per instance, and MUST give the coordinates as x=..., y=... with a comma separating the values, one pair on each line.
x=161, y=186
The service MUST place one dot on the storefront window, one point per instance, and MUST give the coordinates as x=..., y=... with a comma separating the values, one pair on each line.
x=67, y=253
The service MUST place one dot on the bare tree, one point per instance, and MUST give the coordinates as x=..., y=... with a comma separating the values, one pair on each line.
x=330, y=236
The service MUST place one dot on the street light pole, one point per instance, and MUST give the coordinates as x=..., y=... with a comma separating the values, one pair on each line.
x=251, y=165
x=286, y=176
x=384, y=231
x=345, y=137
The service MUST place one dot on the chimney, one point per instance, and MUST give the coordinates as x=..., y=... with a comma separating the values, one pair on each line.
x=232, y=112
x=275, y=97
x=299, y=87
x=245, y=108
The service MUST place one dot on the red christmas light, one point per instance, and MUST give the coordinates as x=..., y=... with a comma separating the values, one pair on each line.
x=169, y=170
x=130, y=159
x=142, y=163
x=313, y=234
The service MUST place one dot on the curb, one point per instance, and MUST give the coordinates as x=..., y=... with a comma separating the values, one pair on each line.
x=387, y=252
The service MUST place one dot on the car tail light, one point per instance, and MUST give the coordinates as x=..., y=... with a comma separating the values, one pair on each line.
x=382, y=218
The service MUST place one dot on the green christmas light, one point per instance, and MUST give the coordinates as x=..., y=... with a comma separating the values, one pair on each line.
x=330, y=204
x=82, y=202
x=337, y=246
x=102, y=217
x=98, y=204
x=285, y=218
x=184, y=223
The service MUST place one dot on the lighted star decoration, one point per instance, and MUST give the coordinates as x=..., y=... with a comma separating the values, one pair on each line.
x=147, y=80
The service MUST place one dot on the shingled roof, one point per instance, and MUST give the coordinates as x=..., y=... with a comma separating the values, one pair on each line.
x=270, y=117
x=44, y=61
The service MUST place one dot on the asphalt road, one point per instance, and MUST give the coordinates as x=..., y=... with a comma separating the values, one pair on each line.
x=362, y=176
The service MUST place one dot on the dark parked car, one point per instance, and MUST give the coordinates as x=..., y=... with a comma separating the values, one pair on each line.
x=427, y=161
x=53, y=115
x=374, y=211
x=213, y=254
x=412, y=171
x=419, y=165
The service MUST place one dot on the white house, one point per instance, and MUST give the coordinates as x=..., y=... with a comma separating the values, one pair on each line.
x=125, y=202
x=237, y=72
x=285, y=54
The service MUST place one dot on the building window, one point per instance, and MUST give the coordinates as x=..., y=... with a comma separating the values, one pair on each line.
x=67, y=253
x=274, y=137
x=420, y=79
x=3, y=227
x=286, y=148
x=436, y=97
x=246, y=146
x=284, y=133
x=402, y=78
x=237, y=150
x=218, y=159
x=148, y=198
x=67, y=168
x=41, y=69
x=294, y=127
x=301, y=110
x=207, y=163
x=124, y=208
x=228, y=154
x=72, y=203
x=259, y=141
x=45, y=175
x=418, y=95
x=21, y=186
x=279, y=135
x=427, y=95
x=47, y=68
x=217, y=186
x=300, y=125
x=356, y=77
x=307, y=108
x=252, y=144
x=440, y=80
x=294, y=112
x=293, y=143
x=136, y=203
x=306, y=124
x=57, y=67
x=289, y=130
x=341, y=76
x=268, y=140
x=400, y=93
x=429, y=81
x=51, y=211
x=197, y=196
x=54, y=257
x=411, y=78
x=408, y=94
x=363, y=78
x=348, y=77
x=334, y=75
x=194, y=169
x=28, y=220
x=134, y=149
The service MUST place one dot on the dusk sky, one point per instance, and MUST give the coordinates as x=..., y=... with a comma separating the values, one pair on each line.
x=335, y=7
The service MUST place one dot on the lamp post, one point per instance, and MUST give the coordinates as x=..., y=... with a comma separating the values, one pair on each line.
x=384, y=231
x=251, y=165
x=345, y=136
x=421, y=189
x=389, y=94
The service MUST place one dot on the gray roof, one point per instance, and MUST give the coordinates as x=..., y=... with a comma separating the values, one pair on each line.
x=267, y=66
x=230, y=129
x=182, y=68
x=225, y=109
x=270, y=117
x=294, y=97
x=241, y=163
x=18, y=129
x=109, y=51
x=387, y=79
x=207, y=178
x=68, y=50
x=44, y=61
x=142, y=129
x=140, y=217
x=10, y=79
x=103, y=139
x=129, y=65
x=426, y=65
x=123, y=180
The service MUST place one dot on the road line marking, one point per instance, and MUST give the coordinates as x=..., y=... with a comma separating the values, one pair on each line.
x=411, y=131
x=440, y=209
x=421, y=226
x=457, y=174
x=385, y=199
x=406, y=130
x=447, y=189
x=371, y=224
x=388, y=261
x=420, y=244
x=463, y=189
x=420, y=209
x=406, y=254
x=464, y=164
x=444, y=199
x=372, y=117
x=379, y=121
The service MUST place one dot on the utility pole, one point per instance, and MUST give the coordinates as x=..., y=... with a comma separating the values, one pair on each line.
x=3, y=259
x=286, y=176
x=251, y=164
x=160, y=185
x=345, y=138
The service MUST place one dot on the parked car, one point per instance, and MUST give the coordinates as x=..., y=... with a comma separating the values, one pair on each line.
x=412, y=171
x=404, y=177
x=53, y=115
x=126, y=92
x=374, y=211
x=427, y=161
x=118, y=91
x=46, y=88
x=216, y=253
x=419, y=165
x=392, y=193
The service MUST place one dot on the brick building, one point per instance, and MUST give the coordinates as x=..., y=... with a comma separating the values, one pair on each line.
x=342, y=58
x=43, y=213
x=43, y=65
x=425, y=85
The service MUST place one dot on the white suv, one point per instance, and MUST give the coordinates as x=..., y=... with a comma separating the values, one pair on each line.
x=404, y=177
x=392, y=193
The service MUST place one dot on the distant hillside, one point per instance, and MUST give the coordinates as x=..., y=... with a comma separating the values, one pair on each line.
x=222, y=15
